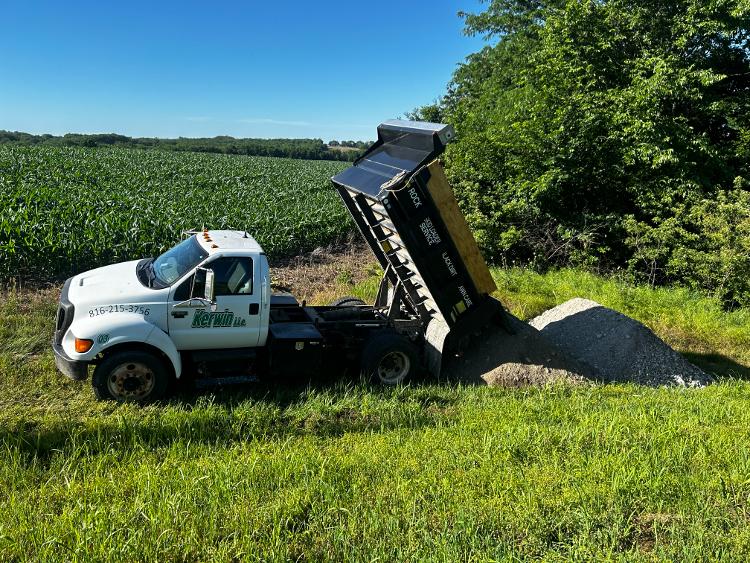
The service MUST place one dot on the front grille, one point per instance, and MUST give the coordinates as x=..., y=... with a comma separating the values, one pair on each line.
x=65, y=312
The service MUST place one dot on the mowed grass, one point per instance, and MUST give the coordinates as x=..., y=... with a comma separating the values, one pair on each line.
x=340, y=470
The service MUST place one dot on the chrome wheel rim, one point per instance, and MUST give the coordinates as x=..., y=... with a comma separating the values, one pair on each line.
x=393, y=367
x=131, y=381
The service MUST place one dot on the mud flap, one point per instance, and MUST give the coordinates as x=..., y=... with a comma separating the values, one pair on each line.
x=441, y=341
x=435, y=336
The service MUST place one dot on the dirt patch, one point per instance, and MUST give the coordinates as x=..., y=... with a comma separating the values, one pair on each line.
x=645, y=529
x=526, y=357
x=326, y=273
x=26, y=297
x=617, y=347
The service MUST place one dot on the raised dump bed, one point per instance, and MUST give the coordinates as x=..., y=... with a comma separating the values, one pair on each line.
x=402, y=203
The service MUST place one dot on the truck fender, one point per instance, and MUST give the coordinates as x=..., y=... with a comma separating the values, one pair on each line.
x=160, y=339
x=123, y=328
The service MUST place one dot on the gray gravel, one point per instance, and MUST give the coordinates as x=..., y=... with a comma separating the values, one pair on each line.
x=617, y=347
x=525, y=357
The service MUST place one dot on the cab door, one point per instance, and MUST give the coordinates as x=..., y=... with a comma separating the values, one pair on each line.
x=234, y=321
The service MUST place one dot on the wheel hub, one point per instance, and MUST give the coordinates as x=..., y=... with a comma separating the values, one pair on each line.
x=393, y=367
x=132, y=381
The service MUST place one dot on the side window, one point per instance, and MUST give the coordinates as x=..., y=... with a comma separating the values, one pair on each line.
x=182, y=293
x=233, y=276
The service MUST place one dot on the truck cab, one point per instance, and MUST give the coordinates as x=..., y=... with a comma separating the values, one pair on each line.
x=209, y=292
x=205, y=309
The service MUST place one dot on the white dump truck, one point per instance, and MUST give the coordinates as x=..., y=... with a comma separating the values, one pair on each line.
x=205, y=308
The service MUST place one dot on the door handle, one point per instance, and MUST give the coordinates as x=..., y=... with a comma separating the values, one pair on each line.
x=254, y=308
x=179, y=314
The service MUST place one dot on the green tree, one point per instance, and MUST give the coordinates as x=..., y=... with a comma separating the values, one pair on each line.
x=595, y=132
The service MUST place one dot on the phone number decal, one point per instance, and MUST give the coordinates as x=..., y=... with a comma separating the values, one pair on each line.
x=108, y=309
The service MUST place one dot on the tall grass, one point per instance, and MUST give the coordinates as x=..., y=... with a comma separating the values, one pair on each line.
x=352, y=473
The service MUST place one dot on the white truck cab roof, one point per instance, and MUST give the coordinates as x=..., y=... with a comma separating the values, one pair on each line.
x=215, y=242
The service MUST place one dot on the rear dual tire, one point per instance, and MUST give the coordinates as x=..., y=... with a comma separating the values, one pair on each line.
x=389, y=359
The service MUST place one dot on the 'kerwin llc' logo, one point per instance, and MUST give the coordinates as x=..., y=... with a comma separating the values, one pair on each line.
x=216, y=319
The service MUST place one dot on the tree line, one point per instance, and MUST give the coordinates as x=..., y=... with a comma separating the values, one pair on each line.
x=610, y=134
x=309, y=149
x=350, y=144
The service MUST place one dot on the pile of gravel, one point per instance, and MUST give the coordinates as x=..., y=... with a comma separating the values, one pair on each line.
x=615, y=346
x=518, y=359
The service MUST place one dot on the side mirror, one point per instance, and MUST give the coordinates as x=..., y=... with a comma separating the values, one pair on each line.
x=203, y=286
x=198, y=286
x=208, y=290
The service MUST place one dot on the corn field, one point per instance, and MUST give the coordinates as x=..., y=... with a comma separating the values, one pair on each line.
x=63, y=210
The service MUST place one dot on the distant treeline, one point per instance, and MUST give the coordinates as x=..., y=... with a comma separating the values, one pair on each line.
x=350, y=144
x=312, y=149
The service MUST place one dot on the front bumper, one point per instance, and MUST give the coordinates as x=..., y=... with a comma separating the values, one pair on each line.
x=74, y=369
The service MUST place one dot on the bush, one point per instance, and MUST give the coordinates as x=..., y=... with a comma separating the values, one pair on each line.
x=707, y=247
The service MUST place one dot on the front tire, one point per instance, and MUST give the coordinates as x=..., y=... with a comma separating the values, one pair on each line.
x=388, y=358
x=130, y=377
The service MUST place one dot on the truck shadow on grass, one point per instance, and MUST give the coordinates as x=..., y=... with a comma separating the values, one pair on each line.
x=221, y=417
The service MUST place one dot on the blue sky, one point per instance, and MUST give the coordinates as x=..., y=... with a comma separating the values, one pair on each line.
x=331, y=70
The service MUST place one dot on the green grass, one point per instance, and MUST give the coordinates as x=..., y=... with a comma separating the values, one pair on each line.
x=344, y=471
x=67, y=209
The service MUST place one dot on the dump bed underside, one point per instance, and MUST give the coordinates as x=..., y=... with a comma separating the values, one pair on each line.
x=400, y=199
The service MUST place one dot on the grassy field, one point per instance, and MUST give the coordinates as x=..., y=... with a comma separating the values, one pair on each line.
x=343, y=471
x=67, y=209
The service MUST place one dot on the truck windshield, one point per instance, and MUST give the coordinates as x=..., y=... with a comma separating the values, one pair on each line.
x=177, y=261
